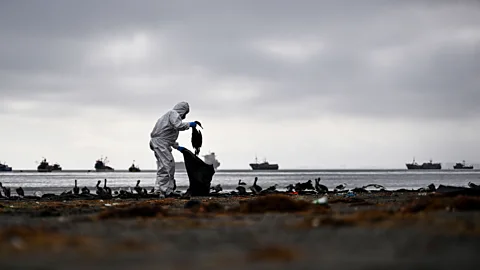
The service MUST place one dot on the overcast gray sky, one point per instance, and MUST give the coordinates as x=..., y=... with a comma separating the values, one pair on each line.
x=306, y=84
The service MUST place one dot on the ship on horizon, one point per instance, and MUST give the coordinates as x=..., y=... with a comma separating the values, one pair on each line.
x=425, y=166
x=212, y=160
x=5, y=168
x=100, y=165
x=134, y=168
x=263, y=166
x=462, y=166
x=44, y=166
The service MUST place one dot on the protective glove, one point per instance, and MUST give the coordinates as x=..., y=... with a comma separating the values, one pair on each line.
x=178, y=147
x=192, y=124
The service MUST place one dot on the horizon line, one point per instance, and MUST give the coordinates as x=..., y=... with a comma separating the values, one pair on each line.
x=250, y=170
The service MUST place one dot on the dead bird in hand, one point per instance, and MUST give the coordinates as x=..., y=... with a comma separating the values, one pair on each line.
x=197, y=138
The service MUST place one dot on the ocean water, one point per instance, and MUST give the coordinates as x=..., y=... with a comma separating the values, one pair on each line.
x=57, y=182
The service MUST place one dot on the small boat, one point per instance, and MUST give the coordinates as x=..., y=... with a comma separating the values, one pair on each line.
x=44, y=166
x=134, y=168
x=56, y=167
x=100, y=165
x=263, y=166
x=5, y=168
x=462, y=166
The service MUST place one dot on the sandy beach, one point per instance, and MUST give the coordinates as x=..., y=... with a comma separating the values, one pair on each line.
x=373, y=230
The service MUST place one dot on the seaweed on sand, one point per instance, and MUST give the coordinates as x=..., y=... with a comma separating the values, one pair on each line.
x=459, y=203
x=360, y=218
x=347, y=200
x=137, y=210
x=25, y=238
x=273, y=203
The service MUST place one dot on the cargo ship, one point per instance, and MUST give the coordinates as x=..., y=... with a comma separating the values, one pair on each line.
x=425, y=166
x=5, y=168
x=134, y=168
x=263, y=166
x=100, y=165
x=44, y=166
x=462, y=166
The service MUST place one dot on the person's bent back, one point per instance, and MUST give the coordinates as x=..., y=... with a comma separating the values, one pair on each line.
x=163, y=138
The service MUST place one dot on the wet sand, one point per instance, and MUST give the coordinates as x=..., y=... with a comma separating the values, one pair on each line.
x=369, y=231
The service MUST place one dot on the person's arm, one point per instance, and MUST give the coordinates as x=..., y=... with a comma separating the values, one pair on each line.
x=178, y=147
x=176, y=121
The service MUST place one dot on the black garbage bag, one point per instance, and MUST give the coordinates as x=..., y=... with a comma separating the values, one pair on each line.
x=199, y=173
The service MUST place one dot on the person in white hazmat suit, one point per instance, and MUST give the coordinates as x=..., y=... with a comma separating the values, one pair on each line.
x=162, y=139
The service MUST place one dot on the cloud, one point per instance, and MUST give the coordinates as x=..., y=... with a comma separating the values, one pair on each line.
x=253, y=62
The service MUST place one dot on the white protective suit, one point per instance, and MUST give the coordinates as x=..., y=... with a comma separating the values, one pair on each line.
x=163, y=137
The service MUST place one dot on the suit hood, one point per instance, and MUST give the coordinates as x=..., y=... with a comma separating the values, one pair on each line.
x=182, y=108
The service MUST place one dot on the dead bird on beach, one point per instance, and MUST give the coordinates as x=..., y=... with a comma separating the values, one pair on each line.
x=123, y=192
x=299, y=187
x=105, y=192
x=271, y=189
x=290, y=188
x=255, y=188
x=141, y=191
x=473, y=185
x=6, y=190
x=429, y=188
x=319, y=187
x=197, y=138
x=360, y=190
x=216, y=189
x=20, y=192
x=135, y=193
x=106, y=189
x=377, y=186
x=340, y=187
x=100, y=190
x=241, y=190
x=137, y=187
x=85, y=191
x=66, y=193
x=76, y=189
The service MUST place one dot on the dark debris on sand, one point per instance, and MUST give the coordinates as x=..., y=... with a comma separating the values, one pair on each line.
x=435, y=203
x=273, y=203
x=136, y=210
x=240, y=232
